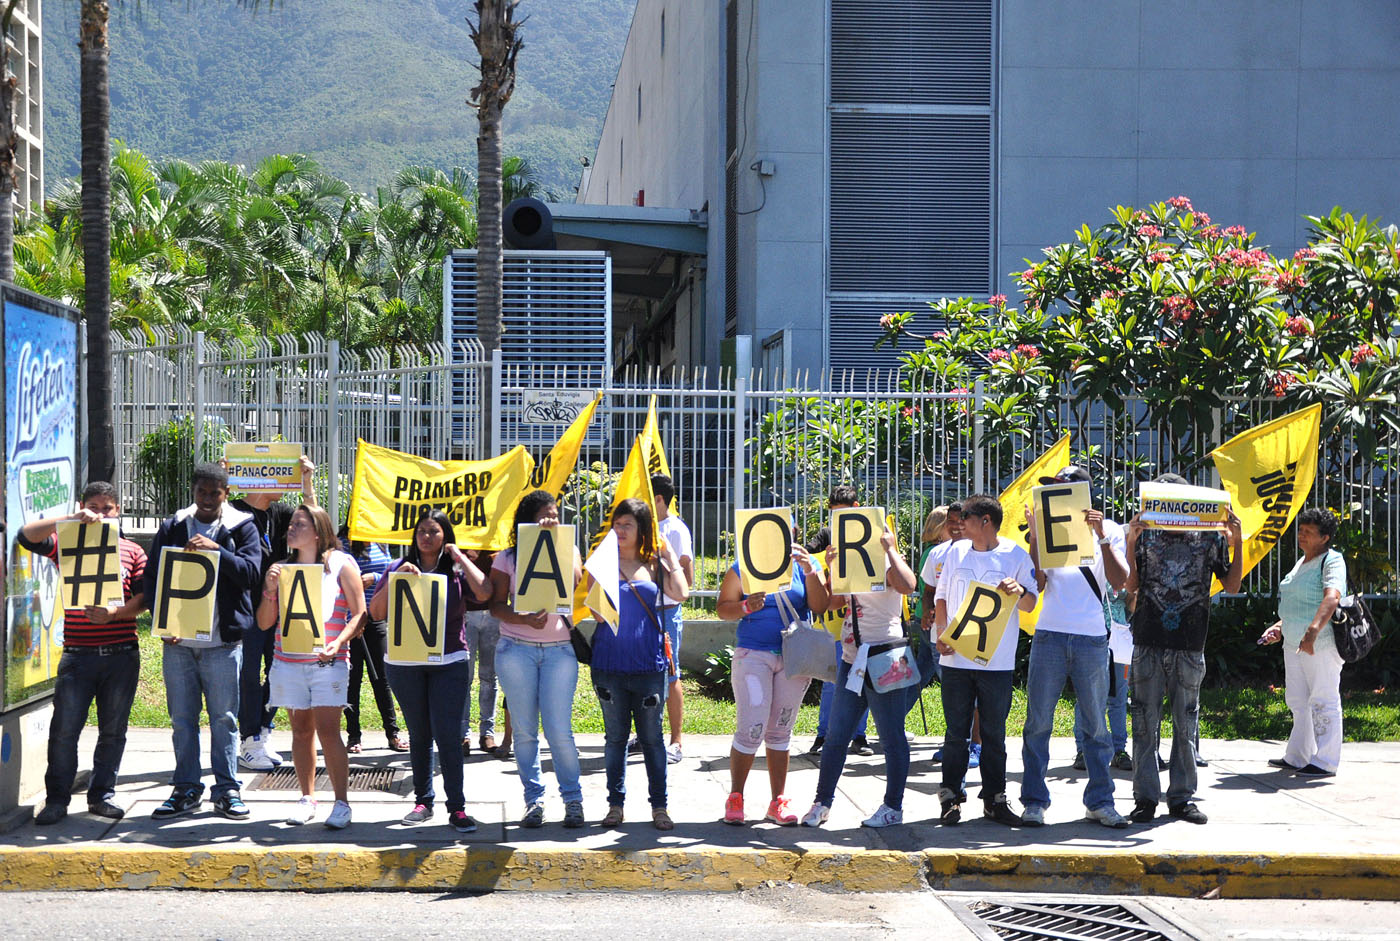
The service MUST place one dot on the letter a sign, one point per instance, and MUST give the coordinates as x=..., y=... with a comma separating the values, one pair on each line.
x=90, y=563
x=417, y=618
x=765, y=549
x=976, y=630
x=860, y=559
x=544, y=569
x=301, y=621
x=184, y=603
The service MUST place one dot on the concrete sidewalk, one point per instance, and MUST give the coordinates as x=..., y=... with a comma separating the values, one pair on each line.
x=1270, y=834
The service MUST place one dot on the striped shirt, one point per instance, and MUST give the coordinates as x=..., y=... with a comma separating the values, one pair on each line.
x=332, y=601
x=78, y=631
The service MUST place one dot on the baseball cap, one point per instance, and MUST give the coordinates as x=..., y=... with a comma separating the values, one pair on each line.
x=1170, y=478
x=1069, y=475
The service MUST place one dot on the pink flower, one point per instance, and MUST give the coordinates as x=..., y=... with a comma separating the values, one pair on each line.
x=959, y=390
x=1159, y=258
x=1140, y=216
x=1297, y=326
x=1028, y=275
x=1027, y=350
x=1288, y=282
x=1236, y=231
x=1112, y=269
x=997, y=300
x=940, y=335
x=1179, y=307
x=1200, y=218
x=908, y=411
x=1362, y=353
x=998, y=355
x=1210, y=232
x=1281, y=383
x=1149, y=231
x=886, y=321
x=1110, y=295
x=1304, y=255
x=1180, y=202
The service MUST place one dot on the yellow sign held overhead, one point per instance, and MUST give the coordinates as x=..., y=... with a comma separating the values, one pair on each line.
x=90, y=563
x=185, y=593
x=417, y=619
x=860, y=558
x=1063, y=538
x=1182, y=507
x=1014, y=500
x=765, y=548
x=544, y=569
x=977, y=628
x=300, y=614
x=263, y=466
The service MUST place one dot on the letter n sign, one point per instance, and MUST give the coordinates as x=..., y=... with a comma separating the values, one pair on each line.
x=417, y=618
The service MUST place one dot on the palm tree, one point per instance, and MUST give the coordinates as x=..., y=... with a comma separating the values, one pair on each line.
x=496, y=35
x=95, y=105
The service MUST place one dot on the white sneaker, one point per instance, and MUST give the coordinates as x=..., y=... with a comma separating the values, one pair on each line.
x=884, y=817
x=304, y=811
x=1033, y=816
x=253, y=757
x=909, y=736
x=339, y=818
x=1105, y=815
x=673, y=753
x=816, y=816
x=266, y=739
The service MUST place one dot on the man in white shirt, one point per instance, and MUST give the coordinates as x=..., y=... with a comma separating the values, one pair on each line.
x=1071, y=642
x=675, y=532
x=981, y=556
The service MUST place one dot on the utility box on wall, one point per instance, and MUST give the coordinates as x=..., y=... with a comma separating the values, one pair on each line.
x=41, y=474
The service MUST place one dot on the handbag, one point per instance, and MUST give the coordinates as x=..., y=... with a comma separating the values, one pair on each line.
x=583, y=650
x=1354, y=628
x=807, y=651
x=890, y=665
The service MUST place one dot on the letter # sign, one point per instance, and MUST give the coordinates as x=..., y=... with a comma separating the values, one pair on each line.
x=765, y=548
x=90, y=563
x=184, y=602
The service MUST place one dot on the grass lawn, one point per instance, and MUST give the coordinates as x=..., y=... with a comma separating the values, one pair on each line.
x=1225, y=713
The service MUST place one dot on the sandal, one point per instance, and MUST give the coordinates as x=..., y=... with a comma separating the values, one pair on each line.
x=662, y=820
x=353, y=748
x=397, y=742
x=487, y=743
x=614, y=817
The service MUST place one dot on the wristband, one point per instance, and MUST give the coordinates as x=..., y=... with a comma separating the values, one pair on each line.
x=269, y=594
x=1105, y=540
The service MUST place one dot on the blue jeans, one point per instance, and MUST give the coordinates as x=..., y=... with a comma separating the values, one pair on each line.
x=624, y=697
x=254, y=714
x=1177, y=674
x=987, y=692
x=539, y=683
x=431, y=698
x=675, y=627
x=847, y=708
x=1083, y=660
x=824, y=710
x=85, y=675
x=1117, y=714
x=197, y=677
x=483, y=634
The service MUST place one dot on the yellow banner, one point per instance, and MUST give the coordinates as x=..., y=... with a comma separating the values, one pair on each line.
x=977, y=628
x=185, y=587
x=764, y=543
x=544, y=569
x=1015, y=499
x=1181, y=507
x=553, y=472
x=417, y=620
x=300, y=617
x=860, y=559
x=393, y=490
x=633, y=482
x=90, y=563
x=656, y=461
x=1064, y=539
x=263, y=466
x=1269, y=472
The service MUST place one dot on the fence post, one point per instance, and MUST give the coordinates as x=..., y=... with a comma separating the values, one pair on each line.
x=493, y=440
x=979, y=461
x=333, y=429
x=198, y=396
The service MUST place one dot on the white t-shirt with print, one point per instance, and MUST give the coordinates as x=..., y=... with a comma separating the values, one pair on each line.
x=1070, y=605
x=964, y=565
x=674, y=531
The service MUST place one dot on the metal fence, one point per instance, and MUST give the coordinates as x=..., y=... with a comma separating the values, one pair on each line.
x=732, y=439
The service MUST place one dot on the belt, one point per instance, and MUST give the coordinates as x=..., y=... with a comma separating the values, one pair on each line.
x=103, y=650
x=535, y=643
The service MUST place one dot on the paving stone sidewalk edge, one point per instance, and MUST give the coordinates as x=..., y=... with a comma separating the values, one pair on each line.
x=490, y=868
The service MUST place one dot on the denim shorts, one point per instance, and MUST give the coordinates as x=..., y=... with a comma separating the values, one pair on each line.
x=308, y=685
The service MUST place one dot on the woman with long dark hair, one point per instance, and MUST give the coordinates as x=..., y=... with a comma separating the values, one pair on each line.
x=630, y=658
x=432, y=694
x=538, y=673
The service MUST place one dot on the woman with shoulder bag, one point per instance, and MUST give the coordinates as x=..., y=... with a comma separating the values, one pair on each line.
x=631, y=658
x=873, y=637
x=1312, y=666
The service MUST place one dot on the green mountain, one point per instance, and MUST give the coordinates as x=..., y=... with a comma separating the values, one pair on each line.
x=364, y=86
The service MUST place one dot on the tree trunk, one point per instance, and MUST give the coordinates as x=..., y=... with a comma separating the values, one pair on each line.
x=9, y=143
x=495, y=35
x=97, y=237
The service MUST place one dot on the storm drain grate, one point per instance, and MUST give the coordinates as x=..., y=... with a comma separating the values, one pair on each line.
x=361, y=779
x=1040, y=920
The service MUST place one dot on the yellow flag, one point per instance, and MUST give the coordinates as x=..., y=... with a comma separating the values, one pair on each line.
x=656, y=461
x=1269, y=472
x=553, y=472
x=633, y=482
x=1015, y=499
x=393, y=490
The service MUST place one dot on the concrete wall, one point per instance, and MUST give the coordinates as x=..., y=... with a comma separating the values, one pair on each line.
x=1260, y=111
x=24, y=739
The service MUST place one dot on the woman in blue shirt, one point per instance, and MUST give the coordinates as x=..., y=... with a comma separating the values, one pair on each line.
x=1307, y=596
x=629, y=659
